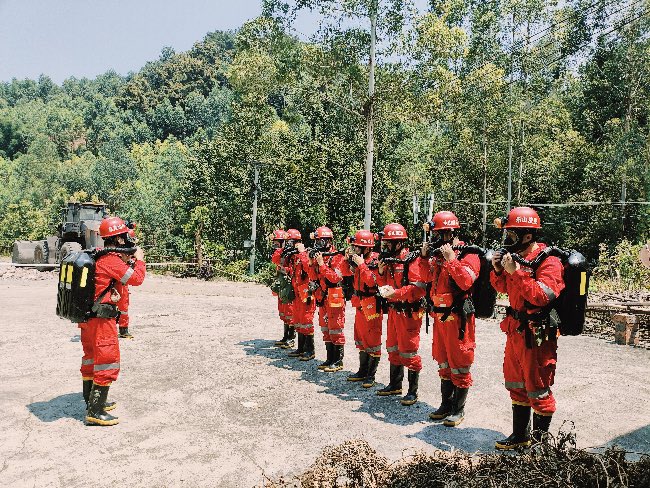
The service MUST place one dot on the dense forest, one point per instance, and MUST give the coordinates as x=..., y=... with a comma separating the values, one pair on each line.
x=556, y=91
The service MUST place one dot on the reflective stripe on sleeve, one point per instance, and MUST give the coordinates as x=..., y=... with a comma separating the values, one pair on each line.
x=104, y=367
x=391, y=349
x=336, y=331
x=338, y=273
x=127, y=275
x=471, y=273
x=513, y=385
x=549, y=293
x=87, y=361
x=373, y=349
x=420, y=284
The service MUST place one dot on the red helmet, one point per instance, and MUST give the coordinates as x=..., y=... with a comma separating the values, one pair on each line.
x=279, y=235
x=445, y=220
x=112, y=226
x=293, y=234
x=322, y=233
x=363, y=238
x=394, y=232
x=521, y=218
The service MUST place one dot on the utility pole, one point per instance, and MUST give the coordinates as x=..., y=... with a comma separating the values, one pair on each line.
x=256, y=181
x=509, y=169
x=370, y=155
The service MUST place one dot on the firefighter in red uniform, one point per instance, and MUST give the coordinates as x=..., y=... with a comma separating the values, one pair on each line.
x=101, y=360
x=303, y=304
x=123, y=303
x=531, y=340
x=368, y=317
x=284, y=309
x=454, y=339
x=329, y=272
x=402, y=287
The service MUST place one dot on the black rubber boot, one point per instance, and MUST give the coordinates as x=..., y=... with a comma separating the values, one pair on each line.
x=87, y=386
x=395, y=385
x=541, y=424
x=283, y=341
x=96, y=414
x=363, y=368
x=458, y=410
x=412, y=395
x=310, y=350
x=520, y=436
x=329, y=347
x=373, y=362
x=301, y=347
x=124, y=333
x=447, y=392
x=337, y=359
x=291, y=336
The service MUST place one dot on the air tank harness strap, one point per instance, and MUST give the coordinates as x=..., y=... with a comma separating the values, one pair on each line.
x=463, y=306
x=104, y=310
x=545, y=323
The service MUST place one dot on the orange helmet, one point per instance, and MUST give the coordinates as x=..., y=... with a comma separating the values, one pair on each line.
x=520, y=218
x=444, y=220
x=293, y=234
x=279, y=235
x=394, y=232
x=112, y=226
x=363, y=238
x=322, y=233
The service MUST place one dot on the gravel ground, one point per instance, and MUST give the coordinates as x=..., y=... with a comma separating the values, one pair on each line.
x=205, y=400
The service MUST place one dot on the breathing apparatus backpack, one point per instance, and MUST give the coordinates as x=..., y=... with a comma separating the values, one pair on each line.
x=571, y=304
x=484, y=295
x=75, y=299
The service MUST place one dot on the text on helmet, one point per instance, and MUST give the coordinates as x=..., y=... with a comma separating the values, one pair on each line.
x=526, y=220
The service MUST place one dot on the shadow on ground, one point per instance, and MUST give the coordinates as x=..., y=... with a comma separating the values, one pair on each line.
x=636, y=442
x=470, y=439
x=387, y=409
x=70, y=405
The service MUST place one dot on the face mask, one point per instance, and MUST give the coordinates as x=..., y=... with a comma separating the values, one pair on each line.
x=322, y=244
x=438, y=238
x=512, y=240
x=389, y=248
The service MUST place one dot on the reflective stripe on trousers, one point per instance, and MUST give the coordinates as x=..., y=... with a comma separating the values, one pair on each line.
x=105, y=367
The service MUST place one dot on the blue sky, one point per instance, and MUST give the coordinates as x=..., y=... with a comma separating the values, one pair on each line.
x=84, y=38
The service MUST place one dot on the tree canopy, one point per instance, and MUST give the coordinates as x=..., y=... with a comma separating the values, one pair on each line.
x=558, y=93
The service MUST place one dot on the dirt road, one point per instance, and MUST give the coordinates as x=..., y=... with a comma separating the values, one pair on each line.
x=205, y=400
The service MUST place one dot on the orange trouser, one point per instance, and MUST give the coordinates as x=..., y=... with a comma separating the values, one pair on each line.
x=303, y=316
x=453, y=355
x=101, y=358
x=367, y=333
x=529, y=373
x=403, y=339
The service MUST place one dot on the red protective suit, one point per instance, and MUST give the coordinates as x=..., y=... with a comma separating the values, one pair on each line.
x=331, y=316
x=529, y=372
x=101, y=359
x=304, y=305
x=403, y=329
x=367, y=332
x=452, y=280
x=285, y=310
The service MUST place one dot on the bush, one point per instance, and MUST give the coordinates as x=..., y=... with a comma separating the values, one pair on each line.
x=620, y=269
